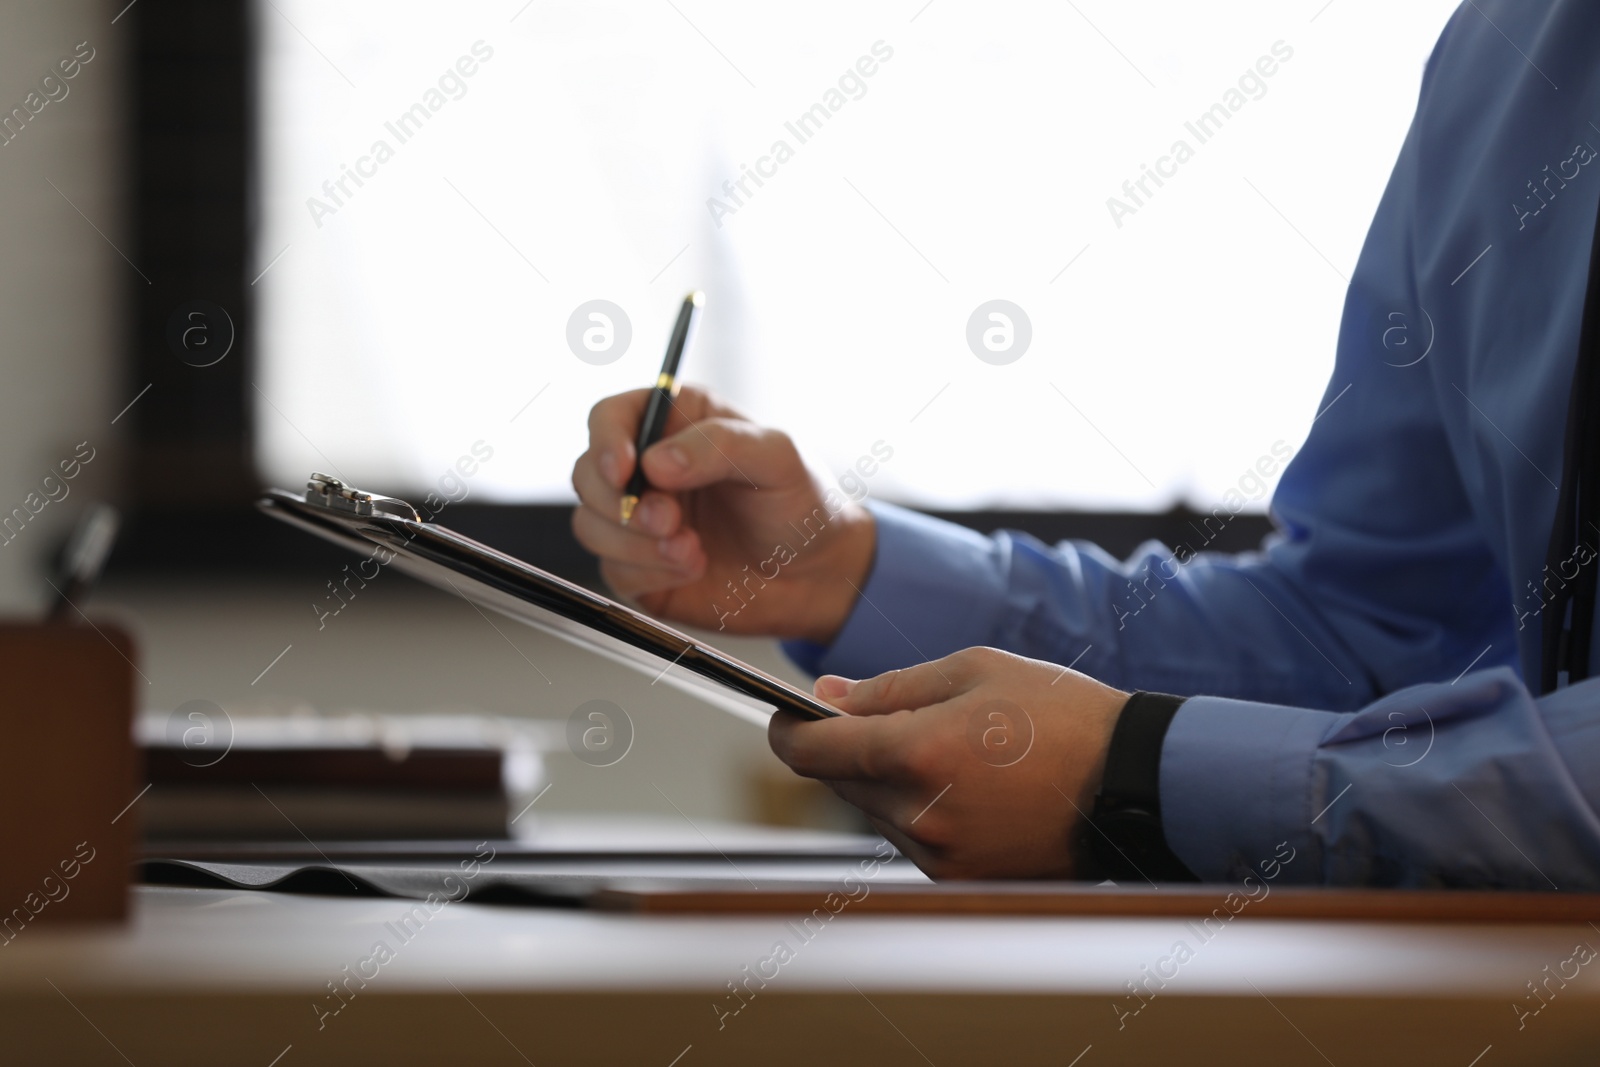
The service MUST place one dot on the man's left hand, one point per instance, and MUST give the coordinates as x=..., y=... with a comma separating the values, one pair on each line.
x=979, y=765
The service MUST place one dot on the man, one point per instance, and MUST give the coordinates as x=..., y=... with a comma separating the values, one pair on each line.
x=1391, y=693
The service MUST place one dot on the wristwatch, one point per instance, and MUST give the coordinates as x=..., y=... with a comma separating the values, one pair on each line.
x=1125, y=838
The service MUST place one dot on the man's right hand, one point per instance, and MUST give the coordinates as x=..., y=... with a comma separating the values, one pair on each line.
x=733, y=535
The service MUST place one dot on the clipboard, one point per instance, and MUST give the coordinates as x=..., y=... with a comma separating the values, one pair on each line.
x=493, y=580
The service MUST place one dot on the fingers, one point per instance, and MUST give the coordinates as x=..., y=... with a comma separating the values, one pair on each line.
x=908, y=848
x=681, y=553
x=879, y=737
x=877, y=748
x=833, y=754
x=885, y=805
x=614, y=426
x=658, y=515
x=721, y=449
x=872, y=741
x=599, y=475
x=903, y=818
x=907, y=689
x=933, y=682
x=652, y=541
x=698, y=427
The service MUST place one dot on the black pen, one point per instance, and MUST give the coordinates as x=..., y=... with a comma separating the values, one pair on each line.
x=660, y=405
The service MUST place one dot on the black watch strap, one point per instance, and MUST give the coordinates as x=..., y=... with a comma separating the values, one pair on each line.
x=1126, y=838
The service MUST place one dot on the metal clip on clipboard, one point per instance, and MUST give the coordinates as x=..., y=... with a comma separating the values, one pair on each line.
x=330, y=492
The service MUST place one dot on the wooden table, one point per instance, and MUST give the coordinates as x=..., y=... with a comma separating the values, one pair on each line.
x=206, y=976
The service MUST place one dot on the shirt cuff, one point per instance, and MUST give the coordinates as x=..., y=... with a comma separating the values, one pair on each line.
x=1236, y=788
x=934, y=588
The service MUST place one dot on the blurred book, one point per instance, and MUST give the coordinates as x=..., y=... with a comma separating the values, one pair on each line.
x=272, y=777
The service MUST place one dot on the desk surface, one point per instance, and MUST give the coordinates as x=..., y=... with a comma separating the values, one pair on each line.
x=212, y=976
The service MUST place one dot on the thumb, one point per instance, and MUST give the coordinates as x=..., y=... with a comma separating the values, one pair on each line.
x=910, y=688
x=724, y=450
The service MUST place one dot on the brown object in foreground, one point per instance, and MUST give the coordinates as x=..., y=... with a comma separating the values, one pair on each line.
x=68, y=775
x=1063, y=898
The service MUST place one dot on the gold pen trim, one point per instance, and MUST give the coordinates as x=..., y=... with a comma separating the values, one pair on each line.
x=629, y=502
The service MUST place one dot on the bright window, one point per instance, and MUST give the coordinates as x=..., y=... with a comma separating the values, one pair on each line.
x=443, y=186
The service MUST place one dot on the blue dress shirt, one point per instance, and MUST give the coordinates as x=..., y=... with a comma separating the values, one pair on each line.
x=1360, y=688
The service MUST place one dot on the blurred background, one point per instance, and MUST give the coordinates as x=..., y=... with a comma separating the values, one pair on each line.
x=247, y=240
